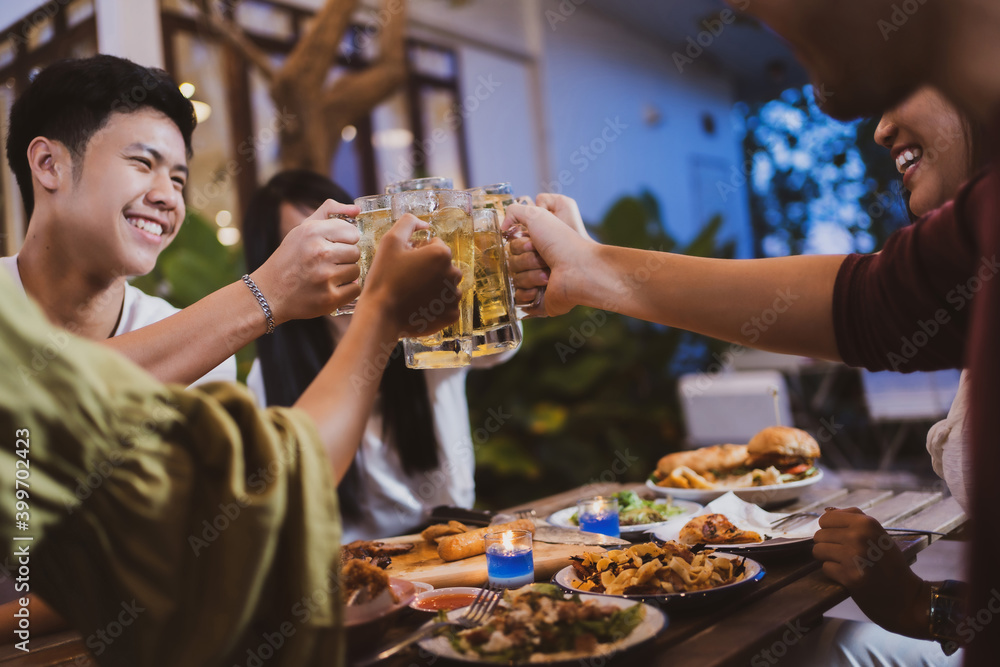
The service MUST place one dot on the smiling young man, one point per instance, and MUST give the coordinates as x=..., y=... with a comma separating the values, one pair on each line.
x=99, y=147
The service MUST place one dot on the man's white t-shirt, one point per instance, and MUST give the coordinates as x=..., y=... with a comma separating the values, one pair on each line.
x=139, y=310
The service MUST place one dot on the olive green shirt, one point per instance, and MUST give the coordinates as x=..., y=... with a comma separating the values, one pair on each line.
x=169, y=526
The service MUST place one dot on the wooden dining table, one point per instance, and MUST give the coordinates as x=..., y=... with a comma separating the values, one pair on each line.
x=767, y=616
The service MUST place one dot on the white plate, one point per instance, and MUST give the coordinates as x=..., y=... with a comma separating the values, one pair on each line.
x=777, y=540
x=562, y=517
x=653, y=622
x=566, y=579
x=771, y=494
x=382, y=606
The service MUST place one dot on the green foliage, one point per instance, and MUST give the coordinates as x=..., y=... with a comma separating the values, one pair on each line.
x=194, y=266
x=591, y=395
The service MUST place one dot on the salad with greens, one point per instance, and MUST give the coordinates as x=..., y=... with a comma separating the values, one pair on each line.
x=634, y=511
x=541, y=618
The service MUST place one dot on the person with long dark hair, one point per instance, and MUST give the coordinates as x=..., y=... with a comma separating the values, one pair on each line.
x=416, y=451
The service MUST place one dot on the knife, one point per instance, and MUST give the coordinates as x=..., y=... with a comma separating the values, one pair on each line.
x=559, y=535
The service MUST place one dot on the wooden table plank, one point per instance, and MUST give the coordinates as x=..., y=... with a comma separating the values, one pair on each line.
x=861, y=498
x=815, y=498
x=943, y=517
x=892, y=510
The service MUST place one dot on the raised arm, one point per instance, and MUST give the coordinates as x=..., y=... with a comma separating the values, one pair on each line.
x=309, y=275
x=783, y=304
x=403, y=290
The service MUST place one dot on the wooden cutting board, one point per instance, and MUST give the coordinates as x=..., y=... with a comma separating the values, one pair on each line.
x=424, y=564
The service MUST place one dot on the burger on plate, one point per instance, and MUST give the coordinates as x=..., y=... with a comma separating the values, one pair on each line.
x=776, y=455
x=791, y=450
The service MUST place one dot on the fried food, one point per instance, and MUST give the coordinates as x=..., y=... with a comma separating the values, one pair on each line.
x=715, y=529
x=473, y=543
x=363, y=582
x=434, y=533
x=377, y=553
x=651, y=569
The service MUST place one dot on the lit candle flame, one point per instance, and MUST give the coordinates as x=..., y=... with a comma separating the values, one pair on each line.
x=508, y=541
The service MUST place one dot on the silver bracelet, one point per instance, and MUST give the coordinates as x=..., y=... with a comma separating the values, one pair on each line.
x=261, y=300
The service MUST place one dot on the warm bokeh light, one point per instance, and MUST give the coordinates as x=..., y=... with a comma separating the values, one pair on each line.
x=223, y=218
x=187, y=89
x=228, y=236
x=201, y=111
x=349, y=133
x=394, y=138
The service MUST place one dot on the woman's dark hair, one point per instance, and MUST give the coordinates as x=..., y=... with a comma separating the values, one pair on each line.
x=70, y=100
x=292, y=356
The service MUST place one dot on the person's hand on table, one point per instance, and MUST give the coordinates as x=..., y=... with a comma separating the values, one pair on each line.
x=546, y=259
x=416, y=287
x=312, y=271
x=858, y=554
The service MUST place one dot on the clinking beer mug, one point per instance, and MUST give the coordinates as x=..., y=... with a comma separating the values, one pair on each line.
x=449, y=214
x=494, y=317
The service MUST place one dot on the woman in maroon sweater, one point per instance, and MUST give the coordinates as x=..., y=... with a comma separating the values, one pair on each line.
x=927, y=301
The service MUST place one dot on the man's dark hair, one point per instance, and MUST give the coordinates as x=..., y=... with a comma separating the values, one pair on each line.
x=70, y=100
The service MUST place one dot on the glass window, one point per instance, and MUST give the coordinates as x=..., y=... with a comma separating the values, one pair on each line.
x=214, y=168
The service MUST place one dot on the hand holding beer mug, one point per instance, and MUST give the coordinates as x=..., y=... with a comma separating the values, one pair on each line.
x=416, y=286
x=494, y=318
x=553, y=256
x=449, y=214
x=374, y=220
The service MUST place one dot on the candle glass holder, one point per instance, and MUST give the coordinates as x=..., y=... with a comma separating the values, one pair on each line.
x=509, y=561
x=599, y=515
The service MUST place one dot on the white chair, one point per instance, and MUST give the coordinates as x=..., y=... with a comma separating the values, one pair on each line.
x=907, y=399
x=731, y=407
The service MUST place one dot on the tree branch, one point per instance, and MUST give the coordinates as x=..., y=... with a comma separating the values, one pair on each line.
x=310, y=61
x=357, y=92
x=236, y=38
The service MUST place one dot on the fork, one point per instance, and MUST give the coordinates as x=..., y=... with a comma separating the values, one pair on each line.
x=791, y=518
x=475, y=615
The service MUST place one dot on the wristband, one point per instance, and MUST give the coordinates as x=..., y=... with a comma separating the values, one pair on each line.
x=946, y=614
x=261, y=300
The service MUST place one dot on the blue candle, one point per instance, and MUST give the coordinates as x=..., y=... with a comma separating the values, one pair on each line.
x=605, y=523
x=509, y=561
x=599, y=515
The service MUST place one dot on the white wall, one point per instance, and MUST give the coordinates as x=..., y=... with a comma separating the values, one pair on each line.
x=127, y=28
x=599, y=79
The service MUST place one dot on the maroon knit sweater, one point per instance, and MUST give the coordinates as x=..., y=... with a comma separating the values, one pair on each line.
x=930, y=300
